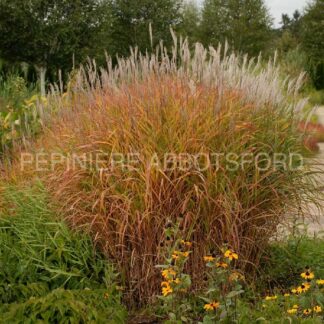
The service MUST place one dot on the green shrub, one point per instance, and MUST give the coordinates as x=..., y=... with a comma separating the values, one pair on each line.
x=46, y=270
x=316, y=97
x=65, y=306
x=19, y=114
x=284, y=261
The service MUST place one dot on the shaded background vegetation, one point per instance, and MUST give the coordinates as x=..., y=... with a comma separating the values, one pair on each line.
x=61, y=34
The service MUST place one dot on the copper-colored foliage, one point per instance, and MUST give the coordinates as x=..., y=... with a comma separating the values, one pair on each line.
x=152, y=107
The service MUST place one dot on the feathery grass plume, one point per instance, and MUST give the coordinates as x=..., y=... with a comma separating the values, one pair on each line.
x=208, y=101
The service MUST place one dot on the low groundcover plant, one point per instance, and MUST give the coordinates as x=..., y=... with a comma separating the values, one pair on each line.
x=304, y=301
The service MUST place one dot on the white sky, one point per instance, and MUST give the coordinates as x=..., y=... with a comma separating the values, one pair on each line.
x=278, y=7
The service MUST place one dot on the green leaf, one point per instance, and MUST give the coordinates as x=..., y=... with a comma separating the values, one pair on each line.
x=234, y=293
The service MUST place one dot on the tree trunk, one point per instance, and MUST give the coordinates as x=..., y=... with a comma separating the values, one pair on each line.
x=24, y=67
x=41, y=71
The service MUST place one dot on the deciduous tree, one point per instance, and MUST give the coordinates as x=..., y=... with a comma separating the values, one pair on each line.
x=313, y=40
x=190, y=21
x=245, y=24
x=132, y=20
x=48, y=33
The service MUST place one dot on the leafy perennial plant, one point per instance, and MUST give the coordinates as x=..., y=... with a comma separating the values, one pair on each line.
x=223, y=284
x=303, y=301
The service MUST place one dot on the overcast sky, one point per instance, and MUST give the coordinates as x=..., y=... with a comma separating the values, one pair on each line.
x=278, y=7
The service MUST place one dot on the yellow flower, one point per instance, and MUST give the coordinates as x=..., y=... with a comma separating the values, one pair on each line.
x=271, y=297
x=176, y=281
x=211, y=306
x=221, y=265
x=320, y=281
x=236, y=276
x=292, y=311
x=295, y=306
x=106, y=295
x=286, y=295
x=215, y=304
x=185, y=254
x=165, y=284
x=306, y=285
x=208, y=307
x=208, y=258
x=175, y=256
x=168, y=273
x=307, y=275
x=188, y=244
x=166, y=288
x=229, y=254
x=307, y=311
x=166, y=291
x=317, y=309
x=303, y=288
x=294, y=291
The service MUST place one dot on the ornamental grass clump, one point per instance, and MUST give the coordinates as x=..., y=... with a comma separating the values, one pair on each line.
x=160, y=137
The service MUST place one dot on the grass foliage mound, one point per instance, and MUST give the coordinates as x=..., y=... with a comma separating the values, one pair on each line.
x=147, y=107
x=47, y=273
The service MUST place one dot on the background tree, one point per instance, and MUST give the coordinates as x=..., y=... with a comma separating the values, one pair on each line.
x=133, y=18
x=245, y=24
x=47, y=34
x=288, y=37
x=312, y=39
x=285, y=21
x=190, y=21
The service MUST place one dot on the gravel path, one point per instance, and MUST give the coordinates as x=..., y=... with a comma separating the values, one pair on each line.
x=320, y=114
x=316, y=227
